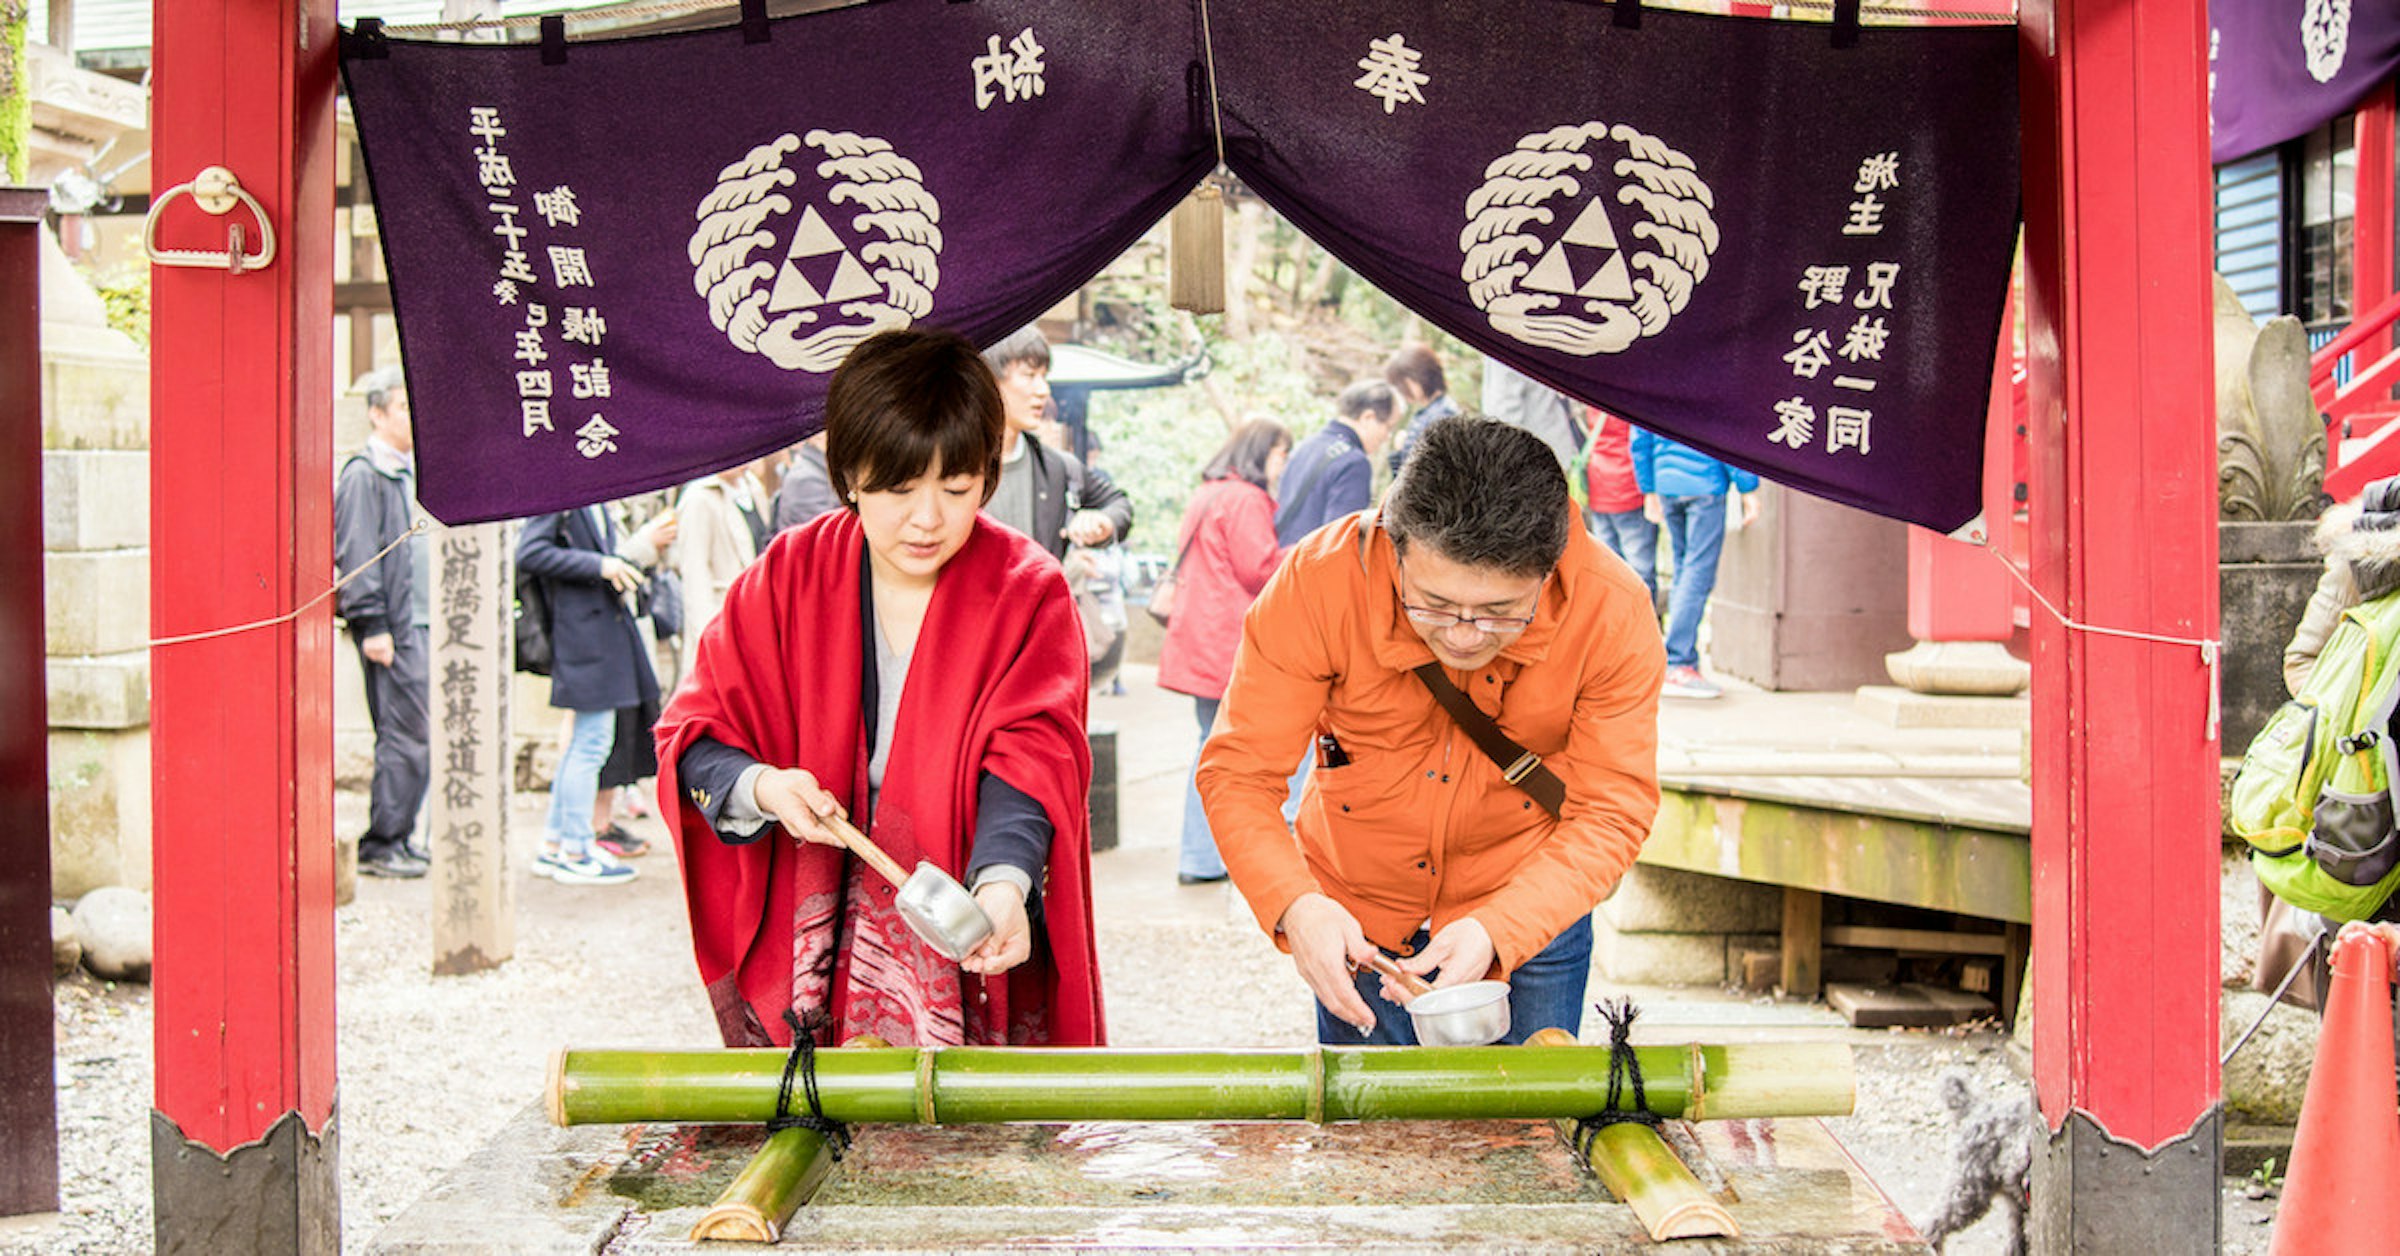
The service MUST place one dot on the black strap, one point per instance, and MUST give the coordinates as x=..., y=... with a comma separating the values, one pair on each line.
x=1623, y=1067
x=554, y=39
x=803, y=1060
x=1519, y=766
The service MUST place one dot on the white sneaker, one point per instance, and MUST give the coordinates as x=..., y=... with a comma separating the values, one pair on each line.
x=593, y=867
x=547, y=863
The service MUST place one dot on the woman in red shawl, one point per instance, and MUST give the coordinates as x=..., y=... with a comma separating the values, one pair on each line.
x=920, y=669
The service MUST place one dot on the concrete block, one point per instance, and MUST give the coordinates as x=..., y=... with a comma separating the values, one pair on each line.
x=108, y=691
x=1658, y=959
x=99, y=811
x=1901, y=709
x=2266, y=1080
x=96, y=602
x=1962, y=668
x=1668, y=900
x=95, y=392
x=95, y=499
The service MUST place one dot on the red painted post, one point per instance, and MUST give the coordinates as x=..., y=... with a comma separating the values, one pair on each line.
x=2371, y=213
x=1956, y=592
x=244, y=1154
x=2123, y=477
x=28, y=1084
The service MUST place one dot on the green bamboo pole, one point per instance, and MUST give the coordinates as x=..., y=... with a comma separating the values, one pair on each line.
x=784, y=1174
x=1638, y=1167
x=985, y=1085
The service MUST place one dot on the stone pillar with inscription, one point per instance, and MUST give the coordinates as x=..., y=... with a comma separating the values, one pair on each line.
x=467, y=806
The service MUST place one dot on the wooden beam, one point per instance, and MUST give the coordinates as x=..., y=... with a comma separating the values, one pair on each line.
x=1926, y=941
x=1803, y=949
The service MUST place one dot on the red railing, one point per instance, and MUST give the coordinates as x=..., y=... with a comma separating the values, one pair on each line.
x=2362, y=423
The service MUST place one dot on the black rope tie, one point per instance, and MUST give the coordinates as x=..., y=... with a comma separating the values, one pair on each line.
x=803, y=1061
x=1623, y=1067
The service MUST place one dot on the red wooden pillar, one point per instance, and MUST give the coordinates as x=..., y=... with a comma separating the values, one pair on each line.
x=28, y=1084
x=2371, y=215
x=2123, y=480
x=243, y=1136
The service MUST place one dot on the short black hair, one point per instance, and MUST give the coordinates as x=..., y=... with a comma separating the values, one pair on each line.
x=1245, y=454
x=1416, y=364
x=1483, y=493
x=1027, y=344
x=1366, y=395
x=908, y=400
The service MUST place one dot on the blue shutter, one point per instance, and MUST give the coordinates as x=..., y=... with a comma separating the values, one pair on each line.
x=2250, y=229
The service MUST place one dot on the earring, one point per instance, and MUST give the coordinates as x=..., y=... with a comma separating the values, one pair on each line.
x=854, y=496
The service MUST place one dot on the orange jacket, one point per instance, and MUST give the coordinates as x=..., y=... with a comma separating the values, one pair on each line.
x=1419, y=826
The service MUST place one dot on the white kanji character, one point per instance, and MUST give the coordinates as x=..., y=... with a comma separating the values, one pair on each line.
x=507, y=228
x=1880, y=172
x=1866, y=217
x=537, y=315
x=569, y=268
x=535, y=384
x=594, y=438
x=591, y=378
x=514, y=266
x=1391, y=72
x=1877, y=292
x=1823, y=284
x=536, y=415
x=557, y=206
x=583, y=326
x=1846, y=428
x=1795, y=423
x=529, y=348
x=1809, y=353
x=1025, y=72
x=506, y=290
x=492, y=169
x=1865, y=339
x=483, y=122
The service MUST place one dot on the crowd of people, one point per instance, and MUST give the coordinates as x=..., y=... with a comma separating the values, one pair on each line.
x=892, y=630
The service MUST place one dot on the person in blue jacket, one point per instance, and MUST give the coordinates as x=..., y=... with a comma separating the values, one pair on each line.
x=1683, y=491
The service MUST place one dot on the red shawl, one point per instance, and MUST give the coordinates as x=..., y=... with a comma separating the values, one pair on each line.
x=997, y=681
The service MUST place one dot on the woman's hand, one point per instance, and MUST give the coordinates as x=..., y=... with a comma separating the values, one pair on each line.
x=793, y=797
x=1011, y=942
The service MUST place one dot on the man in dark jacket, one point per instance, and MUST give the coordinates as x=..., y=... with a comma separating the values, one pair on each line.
x=387, y=608
x=598, y=666
x=1330, y=474
x=807, y=489
x=1045, y=493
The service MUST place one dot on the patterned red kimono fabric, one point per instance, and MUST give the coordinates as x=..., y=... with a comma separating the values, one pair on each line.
x=997, y=683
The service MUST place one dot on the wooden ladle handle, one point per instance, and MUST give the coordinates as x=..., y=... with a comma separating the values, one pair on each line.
x=867, y=850
x=1415, y=985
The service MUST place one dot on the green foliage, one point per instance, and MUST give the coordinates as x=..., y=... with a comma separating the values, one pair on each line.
x=126, y=291
x=16, y=94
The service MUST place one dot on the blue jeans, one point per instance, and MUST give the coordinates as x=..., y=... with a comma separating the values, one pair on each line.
x=576, y=785
x=1547, y=991
x=1199, y=855
x=1696, y=527
x=1633, y=537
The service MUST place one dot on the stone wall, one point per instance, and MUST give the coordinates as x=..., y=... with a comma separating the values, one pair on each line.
x=1667, y=927
x=96, y=586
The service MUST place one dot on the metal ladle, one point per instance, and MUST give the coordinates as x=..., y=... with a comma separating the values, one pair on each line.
x=1473, y=1014
x=932, y=901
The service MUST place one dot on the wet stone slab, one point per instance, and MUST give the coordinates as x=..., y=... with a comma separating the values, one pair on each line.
x=1454, y=1186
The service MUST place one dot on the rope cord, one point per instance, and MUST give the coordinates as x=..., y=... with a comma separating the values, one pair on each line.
x=803, y=1062
x=297, y=611
x=1624, y=1067
x=2211, y=649
x=1216, y=109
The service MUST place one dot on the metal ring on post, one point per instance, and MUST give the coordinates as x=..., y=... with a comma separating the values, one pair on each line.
x=217, y=191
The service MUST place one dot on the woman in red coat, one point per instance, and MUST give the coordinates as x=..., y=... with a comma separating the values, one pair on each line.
x=1226, y=552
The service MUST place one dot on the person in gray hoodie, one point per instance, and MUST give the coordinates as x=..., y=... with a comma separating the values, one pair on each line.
x=386, y=606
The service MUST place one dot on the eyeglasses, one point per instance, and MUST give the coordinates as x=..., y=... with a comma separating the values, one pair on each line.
x=1439, y=621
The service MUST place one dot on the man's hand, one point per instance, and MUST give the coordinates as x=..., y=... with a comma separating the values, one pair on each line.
x=1088, y=527
x=1462, y=952
x=793, y=797
x=1325, y=940
x=1011, y=942
x=1654, y=509
x=624, y=575
x=377, y=649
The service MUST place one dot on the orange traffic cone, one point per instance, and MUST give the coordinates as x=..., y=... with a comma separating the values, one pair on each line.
x=2338, y=1195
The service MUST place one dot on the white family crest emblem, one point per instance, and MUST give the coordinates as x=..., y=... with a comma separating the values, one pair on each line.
x=819, y=289
x=2325, y=37
x=1636, y=240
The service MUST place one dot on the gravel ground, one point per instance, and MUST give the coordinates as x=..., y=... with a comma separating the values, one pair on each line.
x=431, y=1067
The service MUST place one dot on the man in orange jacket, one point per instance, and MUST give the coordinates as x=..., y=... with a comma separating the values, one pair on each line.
x=1409, y=836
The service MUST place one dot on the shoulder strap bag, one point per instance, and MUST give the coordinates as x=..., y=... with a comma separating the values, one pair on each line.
x=1518, y=766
